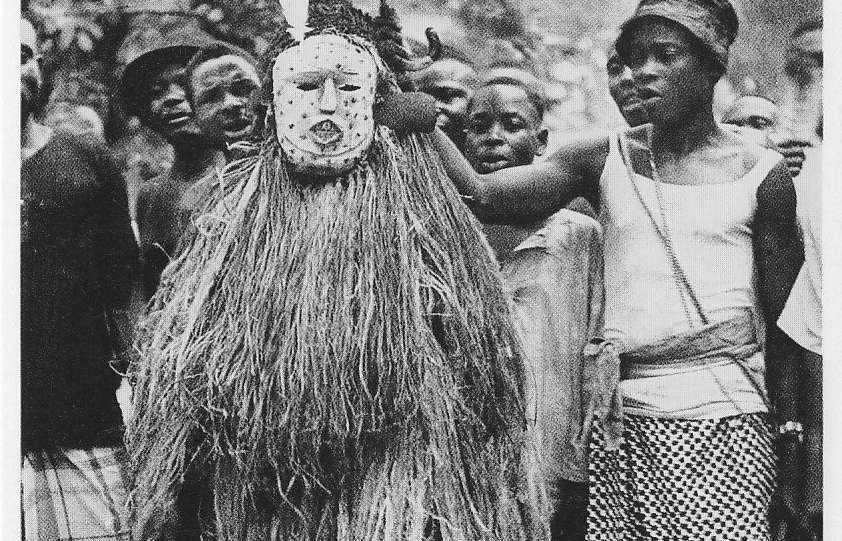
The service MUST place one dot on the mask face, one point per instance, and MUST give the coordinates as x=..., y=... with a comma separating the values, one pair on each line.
x=324, y=92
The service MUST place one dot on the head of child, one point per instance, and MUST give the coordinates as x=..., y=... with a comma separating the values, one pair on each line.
x=221, y=80
x=452, y=83
x=505, y=124
x=757, y=115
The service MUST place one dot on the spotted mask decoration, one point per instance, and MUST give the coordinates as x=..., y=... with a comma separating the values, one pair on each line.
x=324, y=91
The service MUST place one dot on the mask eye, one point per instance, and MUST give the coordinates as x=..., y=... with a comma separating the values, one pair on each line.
x=307, y=86
x=349, y=87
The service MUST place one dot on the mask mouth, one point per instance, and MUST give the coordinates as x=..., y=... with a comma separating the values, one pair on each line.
x=325, y=132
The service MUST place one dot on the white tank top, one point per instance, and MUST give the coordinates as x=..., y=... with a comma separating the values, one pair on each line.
x=710, y=227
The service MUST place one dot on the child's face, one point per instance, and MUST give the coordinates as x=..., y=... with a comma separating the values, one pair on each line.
x=504, y=129
x=222, y=88
x=753, y=112
x=452, y=84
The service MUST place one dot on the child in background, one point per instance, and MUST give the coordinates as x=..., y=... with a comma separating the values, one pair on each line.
x=504, y=129
x=552, y=270
x=452, y=83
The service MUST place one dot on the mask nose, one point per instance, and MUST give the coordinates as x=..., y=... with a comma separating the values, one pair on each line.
x=327, y=104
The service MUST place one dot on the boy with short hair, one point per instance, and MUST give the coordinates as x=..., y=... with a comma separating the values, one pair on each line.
x=552, y=270
x=221, y=80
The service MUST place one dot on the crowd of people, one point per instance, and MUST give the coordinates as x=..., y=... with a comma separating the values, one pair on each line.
x=664, y=281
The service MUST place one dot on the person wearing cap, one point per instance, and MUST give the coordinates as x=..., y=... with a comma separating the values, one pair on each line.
x=77, y=255
x=153, y=85
x=682, y=445
x=154, y=88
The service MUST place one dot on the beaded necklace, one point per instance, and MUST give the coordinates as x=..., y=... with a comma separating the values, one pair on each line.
x=682, y=283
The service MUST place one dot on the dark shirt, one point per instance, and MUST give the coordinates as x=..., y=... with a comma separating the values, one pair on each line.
x=77, y=256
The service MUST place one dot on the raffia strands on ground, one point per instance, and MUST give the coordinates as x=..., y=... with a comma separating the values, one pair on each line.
x=336, y=359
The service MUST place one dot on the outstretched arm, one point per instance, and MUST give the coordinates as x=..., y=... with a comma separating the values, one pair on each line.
x=527, y=192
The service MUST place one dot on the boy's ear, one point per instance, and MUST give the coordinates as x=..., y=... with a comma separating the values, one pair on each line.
x=542, y=136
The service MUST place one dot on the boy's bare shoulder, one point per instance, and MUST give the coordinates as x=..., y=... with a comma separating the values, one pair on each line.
x=588, y=152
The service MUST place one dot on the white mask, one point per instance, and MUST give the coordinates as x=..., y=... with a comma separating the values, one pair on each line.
x=324, y=92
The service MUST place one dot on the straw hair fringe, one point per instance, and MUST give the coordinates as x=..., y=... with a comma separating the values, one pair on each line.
x=333, y=360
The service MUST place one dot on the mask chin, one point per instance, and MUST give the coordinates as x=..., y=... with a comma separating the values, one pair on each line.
x=304, y=163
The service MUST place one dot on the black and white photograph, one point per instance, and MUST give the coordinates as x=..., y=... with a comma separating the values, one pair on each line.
x=418, y=270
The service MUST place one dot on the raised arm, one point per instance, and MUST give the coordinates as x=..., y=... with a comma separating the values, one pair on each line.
x=527, y=192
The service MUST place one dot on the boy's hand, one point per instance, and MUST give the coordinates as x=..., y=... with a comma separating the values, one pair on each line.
x=793, y=153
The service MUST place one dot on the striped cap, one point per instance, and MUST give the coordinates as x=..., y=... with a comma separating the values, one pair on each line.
x=713, y=22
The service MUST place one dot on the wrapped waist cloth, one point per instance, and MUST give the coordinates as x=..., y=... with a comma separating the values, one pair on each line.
x=711, y=372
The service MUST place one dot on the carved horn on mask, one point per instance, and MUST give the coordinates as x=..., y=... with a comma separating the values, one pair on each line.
x=433, y=54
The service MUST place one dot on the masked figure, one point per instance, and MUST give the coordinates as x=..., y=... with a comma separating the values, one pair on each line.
x=332, y=357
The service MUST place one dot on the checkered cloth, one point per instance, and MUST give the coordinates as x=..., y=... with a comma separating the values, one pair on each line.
x=672, y=479
x=75, y=494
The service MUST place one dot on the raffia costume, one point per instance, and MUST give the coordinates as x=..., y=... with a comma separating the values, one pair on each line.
x=331, y=357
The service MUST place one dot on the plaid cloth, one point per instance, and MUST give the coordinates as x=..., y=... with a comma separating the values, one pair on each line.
x=75, y=494
x=682, y=479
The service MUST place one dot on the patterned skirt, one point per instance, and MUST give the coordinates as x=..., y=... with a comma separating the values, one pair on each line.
x=77, y=494
x=671, y=479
